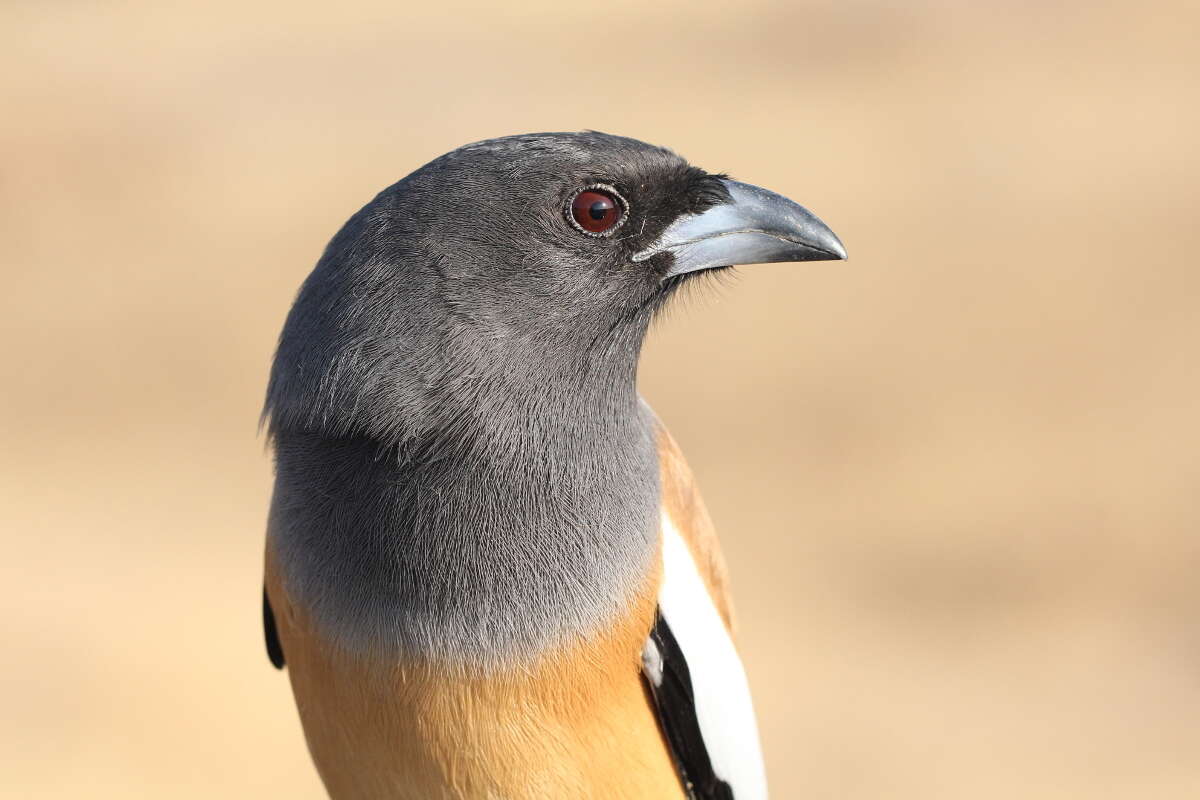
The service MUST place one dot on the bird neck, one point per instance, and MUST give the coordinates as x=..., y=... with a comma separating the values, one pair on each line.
x=526, y=519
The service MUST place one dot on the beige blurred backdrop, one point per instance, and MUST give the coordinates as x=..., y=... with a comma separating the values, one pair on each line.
x=955, y=476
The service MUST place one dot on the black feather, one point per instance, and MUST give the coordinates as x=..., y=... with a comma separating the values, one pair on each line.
x=274, y=648
x=675, y=703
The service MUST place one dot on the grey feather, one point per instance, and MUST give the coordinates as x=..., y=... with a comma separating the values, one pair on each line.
x=464, y=469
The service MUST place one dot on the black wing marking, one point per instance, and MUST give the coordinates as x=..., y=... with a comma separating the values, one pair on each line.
x=665, y=671
x=274, y=648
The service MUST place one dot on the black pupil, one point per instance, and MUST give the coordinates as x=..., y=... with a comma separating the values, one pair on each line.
x=599, y=209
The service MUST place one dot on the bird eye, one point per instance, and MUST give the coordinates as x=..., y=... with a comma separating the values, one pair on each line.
x=596, y=210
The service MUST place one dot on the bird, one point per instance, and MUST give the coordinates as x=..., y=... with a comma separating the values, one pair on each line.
x=489, y=571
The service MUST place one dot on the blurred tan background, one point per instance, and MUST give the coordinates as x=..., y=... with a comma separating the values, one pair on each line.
x=956, y=476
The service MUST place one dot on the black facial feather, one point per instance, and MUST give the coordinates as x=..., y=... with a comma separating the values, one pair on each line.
x=464, y=468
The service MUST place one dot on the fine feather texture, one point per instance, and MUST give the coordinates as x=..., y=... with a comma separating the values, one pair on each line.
x=464, y=469
x=466, y=274
x=576, y=724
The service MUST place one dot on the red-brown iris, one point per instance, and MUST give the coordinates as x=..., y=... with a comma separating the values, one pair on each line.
x=596, y=210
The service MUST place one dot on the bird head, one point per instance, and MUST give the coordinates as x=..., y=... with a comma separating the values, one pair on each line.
x=511, y=270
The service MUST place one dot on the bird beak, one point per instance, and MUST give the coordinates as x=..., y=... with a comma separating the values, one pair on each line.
x=755, y=227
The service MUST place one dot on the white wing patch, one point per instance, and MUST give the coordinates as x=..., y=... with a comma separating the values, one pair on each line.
x=723, y=705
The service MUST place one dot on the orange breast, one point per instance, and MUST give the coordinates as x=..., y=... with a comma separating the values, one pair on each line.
x=576, y=725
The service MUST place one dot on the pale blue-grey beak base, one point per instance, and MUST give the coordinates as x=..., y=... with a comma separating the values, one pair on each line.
x=755, y=227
